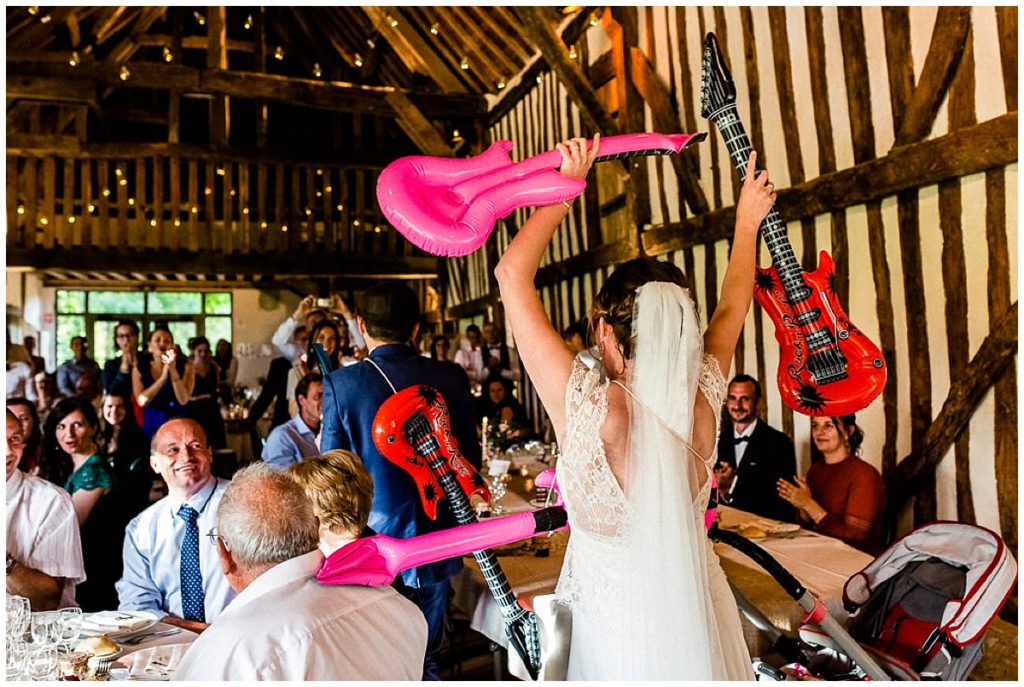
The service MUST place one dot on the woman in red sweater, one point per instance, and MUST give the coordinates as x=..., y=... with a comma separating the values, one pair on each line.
x=842, y=495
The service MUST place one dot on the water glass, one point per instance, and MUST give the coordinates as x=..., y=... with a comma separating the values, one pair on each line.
x=17, y=657
x=71, y=626
x=42, y=662
x=18, y=615
x=46, y=628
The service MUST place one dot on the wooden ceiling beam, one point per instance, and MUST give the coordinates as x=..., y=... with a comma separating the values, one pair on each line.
x=989, y=145
x=328, y=95
x=159, y=40
x=411, y=49
x=949, y=40
x=114, y=22
x=417, y=127
x=337, y=264
x=124, y=50
x=543, y=35
x=59, y=89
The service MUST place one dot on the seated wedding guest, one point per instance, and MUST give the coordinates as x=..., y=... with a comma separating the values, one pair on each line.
x=162, y=381
x=203, y=406
x=341, y=491
x=72, y=438
x=499, y=405
x=842, y=495
x=44, y=550
x=46, y=394
x=499, y=359
x=440, y=346
x=73, y=368
x=470, y=357
x=752, y=456
x=170, y=568
x=127, y=449
x=117, y=372
x=228, y=365
x=296, y=439
x=284, y=625
x=31, y=432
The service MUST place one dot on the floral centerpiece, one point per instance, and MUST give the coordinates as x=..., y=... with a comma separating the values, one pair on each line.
x=505, y=436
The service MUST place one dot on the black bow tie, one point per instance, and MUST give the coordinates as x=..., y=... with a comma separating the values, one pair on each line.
x=741, y=440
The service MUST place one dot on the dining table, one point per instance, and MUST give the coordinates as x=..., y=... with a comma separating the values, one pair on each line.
x=146, y=642
x=822, y=564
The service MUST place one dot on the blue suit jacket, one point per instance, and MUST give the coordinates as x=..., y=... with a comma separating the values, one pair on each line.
x=352, y=396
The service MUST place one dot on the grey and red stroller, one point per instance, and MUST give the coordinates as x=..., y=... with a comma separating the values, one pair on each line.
x=918, y=611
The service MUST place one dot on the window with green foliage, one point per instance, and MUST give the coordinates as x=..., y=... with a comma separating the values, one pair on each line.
x=94, y=314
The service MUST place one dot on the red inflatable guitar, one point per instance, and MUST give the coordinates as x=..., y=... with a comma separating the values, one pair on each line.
x=449, y=206
x=412, y=430
x=827, y=366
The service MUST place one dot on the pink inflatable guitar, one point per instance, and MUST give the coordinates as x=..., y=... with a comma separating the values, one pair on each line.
x=449, y=206
x=376, y=561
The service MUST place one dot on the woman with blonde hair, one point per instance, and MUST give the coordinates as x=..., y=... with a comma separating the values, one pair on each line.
x=341, y=491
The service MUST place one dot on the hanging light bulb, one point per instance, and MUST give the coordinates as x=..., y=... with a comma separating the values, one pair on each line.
x=358, y=60
x=540, y=79
x=106, y=193
x=248, y=23
x=21, y=209
x=284, y=227
x=44, y=221
x=263, y=225
x=177, y=222
x=341, y=207
x=220, y=171
x=200, y=19
x=435, y=29
x=45, y=19
x=125, y=72
x=74, y=59
x=316, y=69
x=71, y=219
x=355, y=223
x=392, y=22
x=152, y=222
x=131, y=201
x=168, y=55
x=456, y=136
x=464, y=65
x=501, y=84
x=33, y=10
x=279, y=53
x=92, y=208
x=572, y=52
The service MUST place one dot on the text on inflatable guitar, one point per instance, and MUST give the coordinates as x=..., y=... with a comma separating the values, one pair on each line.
x=412, y=428
x=449, y=206
x=827, y=366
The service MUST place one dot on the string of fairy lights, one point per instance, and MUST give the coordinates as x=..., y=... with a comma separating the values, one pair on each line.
x=355, y=59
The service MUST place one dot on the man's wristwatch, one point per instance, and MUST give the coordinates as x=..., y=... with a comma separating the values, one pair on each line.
x=12, y=563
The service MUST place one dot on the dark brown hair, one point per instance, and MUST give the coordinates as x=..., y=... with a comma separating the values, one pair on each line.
x=615, y=300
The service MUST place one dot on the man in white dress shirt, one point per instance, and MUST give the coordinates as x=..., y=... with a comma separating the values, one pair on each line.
x=284, y=625
x=156, y=567
x=44, y=550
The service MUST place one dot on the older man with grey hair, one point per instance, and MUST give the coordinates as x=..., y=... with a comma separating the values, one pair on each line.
x=284, y=625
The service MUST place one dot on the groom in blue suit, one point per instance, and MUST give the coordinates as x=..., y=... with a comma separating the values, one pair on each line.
x=389, y=320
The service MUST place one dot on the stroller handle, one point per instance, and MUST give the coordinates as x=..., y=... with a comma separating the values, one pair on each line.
x=792, y=585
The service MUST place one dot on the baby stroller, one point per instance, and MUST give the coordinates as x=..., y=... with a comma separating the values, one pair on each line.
x=919, y=611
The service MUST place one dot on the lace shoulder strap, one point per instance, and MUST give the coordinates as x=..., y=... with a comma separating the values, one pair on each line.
x=661, y=421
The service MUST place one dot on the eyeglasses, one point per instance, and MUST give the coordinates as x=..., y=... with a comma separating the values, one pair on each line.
x=213, y=536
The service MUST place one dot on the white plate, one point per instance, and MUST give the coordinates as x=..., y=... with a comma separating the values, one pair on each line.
x=155, y=663
x=782, y=529
x=116, y=623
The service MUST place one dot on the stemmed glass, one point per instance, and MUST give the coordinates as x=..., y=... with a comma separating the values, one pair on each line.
x=71, y=626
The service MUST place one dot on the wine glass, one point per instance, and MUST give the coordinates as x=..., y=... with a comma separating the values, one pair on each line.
x=71, y=626
x=42, y=662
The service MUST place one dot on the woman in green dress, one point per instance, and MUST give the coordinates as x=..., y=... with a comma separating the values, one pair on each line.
x=71, y=439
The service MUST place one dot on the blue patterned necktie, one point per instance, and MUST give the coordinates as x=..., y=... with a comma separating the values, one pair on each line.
x=192, y=595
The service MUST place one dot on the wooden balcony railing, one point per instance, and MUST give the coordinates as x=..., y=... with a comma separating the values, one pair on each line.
x=180, y=198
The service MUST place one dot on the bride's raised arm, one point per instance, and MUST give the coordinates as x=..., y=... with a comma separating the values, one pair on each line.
x=545, y=357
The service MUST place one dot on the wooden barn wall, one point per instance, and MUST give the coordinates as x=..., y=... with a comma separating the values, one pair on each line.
x=828, y=121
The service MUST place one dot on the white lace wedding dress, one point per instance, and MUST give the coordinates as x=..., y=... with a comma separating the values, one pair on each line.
x=616, y=619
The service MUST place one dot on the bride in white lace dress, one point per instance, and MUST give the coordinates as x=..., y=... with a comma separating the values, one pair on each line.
x=638, y=435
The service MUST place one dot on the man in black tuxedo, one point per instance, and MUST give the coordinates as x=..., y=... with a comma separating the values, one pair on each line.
x=752, y=456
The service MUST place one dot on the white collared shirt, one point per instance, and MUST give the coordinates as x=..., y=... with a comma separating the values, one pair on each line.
x=42, y=531
x=287, y=626
x=152, y=556
x=741, y=448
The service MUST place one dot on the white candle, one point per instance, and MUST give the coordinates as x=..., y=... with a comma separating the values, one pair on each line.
x=484, y=440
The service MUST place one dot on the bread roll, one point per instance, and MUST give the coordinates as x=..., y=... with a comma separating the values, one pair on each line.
x=752, y=532
x=97, y=646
